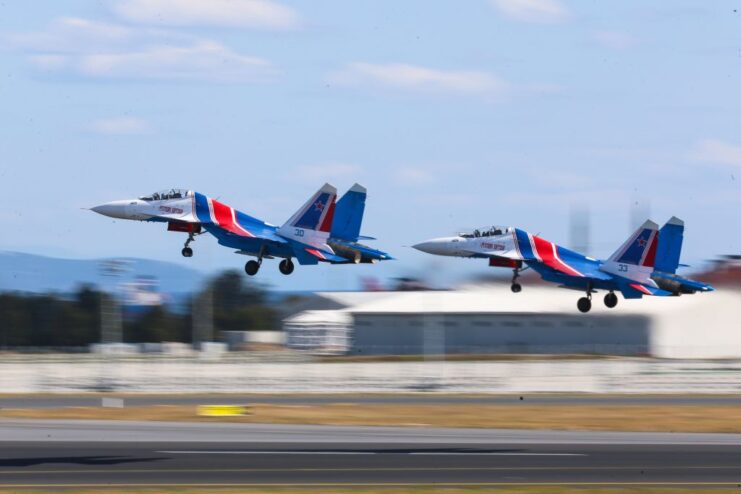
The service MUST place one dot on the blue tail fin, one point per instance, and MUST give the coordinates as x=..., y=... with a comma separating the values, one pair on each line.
x=670, y=245
x=348, y=214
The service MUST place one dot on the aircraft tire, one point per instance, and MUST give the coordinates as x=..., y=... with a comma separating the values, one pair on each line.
x=187, y=252
x=516, y=288
x=251, y=268
x=584, y=304
x=286, y=266
x=611, y=300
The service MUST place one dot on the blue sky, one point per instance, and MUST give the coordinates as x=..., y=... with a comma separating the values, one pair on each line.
x=453, y=114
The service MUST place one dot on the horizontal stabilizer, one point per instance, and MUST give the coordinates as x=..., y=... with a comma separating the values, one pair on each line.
x=325, y=256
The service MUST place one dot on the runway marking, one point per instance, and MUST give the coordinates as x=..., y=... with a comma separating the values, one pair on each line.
x=441, y=453
x=186, y=452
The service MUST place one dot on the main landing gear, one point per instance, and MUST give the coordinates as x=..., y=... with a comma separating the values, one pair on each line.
x=611, y=300
x=516, y=287
x=187, y=251
x=252, y=267
x=286, y=266
x=584, y=304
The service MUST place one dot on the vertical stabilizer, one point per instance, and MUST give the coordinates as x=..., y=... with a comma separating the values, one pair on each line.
x=311, y=224
x=640, y=248
x=348, y=215
x=670, y=245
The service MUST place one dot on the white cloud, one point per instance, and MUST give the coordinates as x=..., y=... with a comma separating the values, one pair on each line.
x=264, y=14
x=717, y=152
x=417, y=78
x=413, y=176
x=614, y=40
x=537, y=11
x=202, y=61
x=326, y=171
x=121, y=126
x=80, y=47
x=77, y=35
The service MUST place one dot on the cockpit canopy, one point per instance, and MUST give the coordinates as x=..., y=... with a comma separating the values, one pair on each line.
x=486, y=232
x=163, y=195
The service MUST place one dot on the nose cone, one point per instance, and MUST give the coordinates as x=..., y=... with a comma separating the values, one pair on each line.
x=438, y=246
x=425, y=246
x=114, y=209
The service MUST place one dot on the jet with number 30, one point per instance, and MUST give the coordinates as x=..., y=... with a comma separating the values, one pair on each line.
x=646, y=264
x=322, y=230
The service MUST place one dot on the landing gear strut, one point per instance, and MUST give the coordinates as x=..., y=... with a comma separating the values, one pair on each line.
x=286, y=266
x=611, y=300
x=187, y=251
x=584, y=304
x=516, y=287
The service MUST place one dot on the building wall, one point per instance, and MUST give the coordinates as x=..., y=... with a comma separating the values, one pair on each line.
x=699, y=326
x=405, y=333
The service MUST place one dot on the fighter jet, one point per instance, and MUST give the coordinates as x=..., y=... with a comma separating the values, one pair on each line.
x=646, y=263
x=320, y=231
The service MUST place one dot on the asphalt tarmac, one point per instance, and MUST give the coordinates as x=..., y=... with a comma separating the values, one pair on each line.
x=65, y=400
x=97, y=453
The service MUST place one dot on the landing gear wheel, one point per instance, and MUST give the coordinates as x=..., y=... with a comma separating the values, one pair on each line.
x=187, y=252
x=516, y=288
x=252, y=267
x=286, y=266
x=611, y=300
x=584, y=304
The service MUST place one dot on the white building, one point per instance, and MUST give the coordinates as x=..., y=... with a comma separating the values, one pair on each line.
x=492, y=319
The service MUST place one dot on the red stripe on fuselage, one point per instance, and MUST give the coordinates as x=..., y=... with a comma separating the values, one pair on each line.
x=547, y=252
x=225, y=218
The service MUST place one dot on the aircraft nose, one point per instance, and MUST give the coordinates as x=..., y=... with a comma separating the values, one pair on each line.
x=428, y=246
x=114, y=209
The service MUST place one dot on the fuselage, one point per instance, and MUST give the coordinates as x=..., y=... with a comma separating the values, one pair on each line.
x=514, y=247
x=231, y=227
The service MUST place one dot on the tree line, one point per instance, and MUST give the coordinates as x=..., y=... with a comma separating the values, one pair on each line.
x=53, y=320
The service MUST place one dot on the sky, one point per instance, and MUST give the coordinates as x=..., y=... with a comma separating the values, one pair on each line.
x=454, y=114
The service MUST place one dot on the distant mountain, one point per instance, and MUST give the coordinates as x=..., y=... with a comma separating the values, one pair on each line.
x=33, y=273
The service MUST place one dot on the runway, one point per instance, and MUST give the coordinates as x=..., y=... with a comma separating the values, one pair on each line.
x=79, y=454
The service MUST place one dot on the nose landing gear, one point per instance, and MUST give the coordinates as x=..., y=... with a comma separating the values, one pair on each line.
x=187, y=251
x=515, y=287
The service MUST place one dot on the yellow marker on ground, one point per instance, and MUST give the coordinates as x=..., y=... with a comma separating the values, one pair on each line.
x=222, y=410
